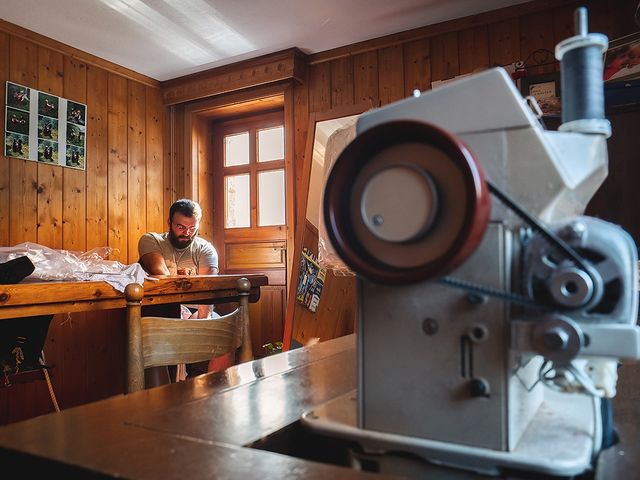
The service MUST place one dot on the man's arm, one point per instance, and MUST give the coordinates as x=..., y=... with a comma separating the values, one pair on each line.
x=207, y=270
x=154, y=264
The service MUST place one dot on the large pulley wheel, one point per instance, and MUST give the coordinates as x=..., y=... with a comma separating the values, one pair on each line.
x=404, y=202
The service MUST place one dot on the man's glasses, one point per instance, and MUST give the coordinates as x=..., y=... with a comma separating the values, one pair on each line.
x=182, y=229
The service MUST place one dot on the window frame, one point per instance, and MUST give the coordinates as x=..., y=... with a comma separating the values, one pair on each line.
x=252, y=124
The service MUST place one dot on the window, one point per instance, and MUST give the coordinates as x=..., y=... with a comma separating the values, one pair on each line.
x=271, y=144
x=253, y=170
x=271, y=198
x=237, y=211
x=236, y=149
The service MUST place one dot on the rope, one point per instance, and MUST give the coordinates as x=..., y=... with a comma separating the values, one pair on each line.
x=52, y=394
x=50, y=387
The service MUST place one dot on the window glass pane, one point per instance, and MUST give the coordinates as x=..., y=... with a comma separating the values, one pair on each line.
x=236, y=149
x=271, y=198
x=271, y=144
x=236, y=190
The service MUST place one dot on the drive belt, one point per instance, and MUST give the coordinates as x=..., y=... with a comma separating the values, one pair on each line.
x=535, y=225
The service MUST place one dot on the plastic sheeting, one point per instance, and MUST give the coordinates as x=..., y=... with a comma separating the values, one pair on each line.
x=65, y=265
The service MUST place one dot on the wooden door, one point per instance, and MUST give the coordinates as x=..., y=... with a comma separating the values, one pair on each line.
x=250, y=221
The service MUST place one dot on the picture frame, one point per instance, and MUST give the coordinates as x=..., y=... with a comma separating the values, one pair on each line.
x=622, y=59
x=545, y=89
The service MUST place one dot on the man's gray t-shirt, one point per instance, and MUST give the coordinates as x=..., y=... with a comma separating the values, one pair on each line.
x=200, y=253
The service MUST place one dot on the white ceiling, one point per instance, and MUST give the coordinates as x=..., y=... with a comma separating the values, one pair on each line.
x=165, y=39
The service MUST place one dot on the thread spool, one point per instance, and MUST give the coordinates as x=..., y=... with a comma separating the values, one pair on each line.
x=581, y=68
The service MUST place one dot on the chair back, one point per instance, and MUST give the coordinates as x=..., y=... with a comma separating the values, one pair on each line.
x=170, y=341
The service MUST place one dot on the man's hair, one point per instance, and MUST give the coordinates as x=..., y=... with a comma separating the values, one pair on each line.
x=186, y=207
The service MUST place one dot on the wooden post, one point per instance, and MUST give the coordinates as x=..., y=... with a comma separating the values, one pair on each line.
x=246, y=349
x=135, y=368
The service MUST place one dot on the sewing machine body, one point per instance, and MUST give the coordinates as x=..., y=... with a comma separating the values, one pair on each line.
x=451, y=376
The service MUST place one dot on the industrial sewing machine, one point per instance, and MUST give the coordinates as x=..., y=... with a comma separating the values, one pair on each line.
x=492, y=314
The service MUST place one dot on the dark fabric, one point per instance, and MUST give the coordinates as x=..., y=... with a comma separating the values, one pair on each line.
x=168, y=310
x=21, y=342
x=16, y=270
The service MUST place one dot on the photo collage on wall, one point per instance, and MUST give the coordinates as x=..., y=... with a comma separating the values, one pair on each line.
x=310, y=281
x=44, y=128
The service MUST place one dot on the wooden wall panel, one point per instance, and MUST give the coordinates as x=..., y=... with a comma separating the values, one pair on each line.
x=536, y=33
x=562, y=24
x=23, y=219
x=205, y=180
x=178, y=148
x=417, y=66
x=620, y=186
x=335, y=315
x=168, y=155
x=365, y=78
x=74, y=330
x=444, y=56
x=4, y=161
x=623, y=14
x=602, y=16
x=21, y=401
x=74, y=213
x=155, y=174
x=319, y=87
x=342, y=82
x=117, y=167
x=301, y=128
x=106, y=353
x=97, y=157
x=473, y=49
x=136, y=168
x=390, y=74
x=269, y=306
x=50, y=68
x=504, y=42
x=65, y=349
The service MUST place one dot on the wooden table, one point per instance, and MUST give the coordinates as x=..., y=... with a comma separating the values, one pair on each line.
x=30, y=298
x=226, y=425
x=242, y=423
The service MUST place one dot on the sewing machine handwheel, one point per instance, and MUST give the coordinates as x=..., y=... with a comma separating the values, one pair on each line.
x=405, y=201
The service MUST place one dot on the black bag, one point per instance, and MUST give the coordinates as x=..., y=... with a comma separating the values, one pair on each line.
x=21, y=343
x=21, y=339
x=16, y=270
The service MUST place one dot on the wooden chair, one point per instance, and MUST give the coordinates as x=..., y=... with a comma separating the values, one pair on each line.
x=170, y=341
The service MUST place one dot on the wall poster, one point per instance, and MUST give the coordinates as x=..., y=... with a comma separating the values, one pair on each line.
x=44, y=128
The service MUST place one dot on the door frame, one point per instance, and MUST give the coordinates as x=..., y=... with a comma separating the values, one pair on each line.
x=197, y=145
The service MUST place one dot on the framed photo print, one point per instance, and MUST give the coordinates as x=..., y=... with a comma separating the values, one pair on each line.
x=546, y=90
x=622, y=59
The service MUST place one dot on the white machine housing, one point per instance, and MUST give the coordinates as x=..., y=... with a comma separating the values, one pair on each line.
x=453, y=377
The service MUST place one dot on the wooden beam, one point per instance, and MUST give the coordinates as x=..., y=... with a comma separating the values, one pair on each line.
x=284, y=65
